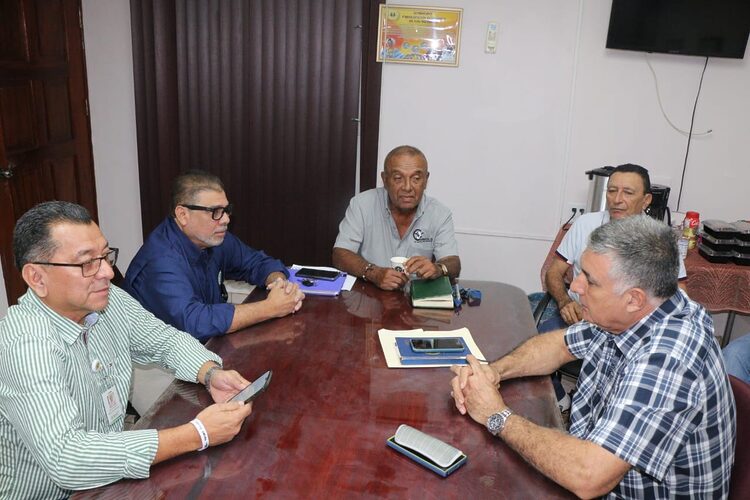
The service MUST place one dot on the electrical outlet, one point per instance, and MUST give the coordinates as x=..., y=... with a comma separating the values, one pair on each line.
x=574, y=210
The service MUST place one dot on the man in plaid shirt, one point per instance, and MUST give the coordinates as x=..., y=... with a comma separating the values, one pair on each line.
x=653, y=415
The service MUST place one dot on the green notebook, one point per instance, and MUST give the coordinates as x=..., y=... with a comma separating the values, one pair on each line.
x=436, y=293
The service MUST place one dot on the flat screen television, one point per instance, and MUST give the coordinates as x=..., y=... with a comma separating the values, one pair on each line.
x=712, y=28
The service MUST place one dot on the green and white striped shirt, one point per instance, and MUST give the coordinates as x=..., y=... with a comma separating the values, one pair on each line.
x=55, y=435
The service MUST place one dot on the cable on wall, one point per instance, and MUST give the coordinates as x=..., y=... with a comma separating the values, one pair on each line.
x=690, y=135
x=661, y=106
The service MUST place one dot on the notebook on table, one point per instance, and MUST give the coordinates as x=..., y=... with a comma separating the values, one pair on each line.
x=436, y=293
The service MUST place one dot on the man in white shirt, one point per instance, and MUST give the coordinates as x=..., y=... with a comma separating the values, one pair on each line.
x=628, y=193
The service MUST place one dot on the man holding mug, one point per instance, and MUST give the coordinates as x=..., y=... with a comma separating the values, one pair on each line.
x=398, y=220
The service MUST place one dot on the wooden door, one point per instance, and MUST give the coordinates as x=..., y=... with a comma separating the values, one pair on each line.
x=45, y=137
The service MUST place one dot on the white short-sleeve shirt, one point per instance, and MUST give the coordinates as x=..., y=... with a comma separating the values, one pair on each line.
x=577, y=238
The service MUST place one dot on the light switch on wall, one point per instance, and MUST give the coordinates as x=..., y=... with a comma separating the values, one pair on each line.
x=491, y=43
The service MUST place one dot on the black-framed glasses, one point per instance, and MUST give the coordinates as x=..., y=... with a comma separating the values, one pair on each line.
x=216, y=212
x=90, y=267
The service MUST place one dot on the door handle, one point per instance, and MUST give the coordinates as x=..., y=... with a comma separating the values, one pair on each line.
x=8, y=171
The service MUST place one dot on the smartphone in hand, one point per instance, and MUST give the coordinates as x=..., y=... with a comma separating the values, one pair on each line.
x=254, y=389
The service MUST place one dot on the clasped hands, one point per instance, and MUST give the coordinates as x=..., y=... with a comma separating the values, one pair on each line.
x=571, y=312
x=419, y=265
x=285, y=296
x=475, y=390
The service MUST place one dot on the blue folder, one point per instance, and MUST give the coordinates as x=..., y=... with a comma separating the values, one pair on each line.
x=319, y=287
x=409, y=356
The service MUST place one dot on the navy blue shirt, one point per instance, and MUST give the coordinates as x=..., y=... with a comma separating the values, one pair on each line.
x=181, y=284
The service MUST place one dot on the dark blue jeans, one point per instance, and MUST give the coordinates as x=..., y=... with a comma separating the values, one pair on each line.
x=550, y=320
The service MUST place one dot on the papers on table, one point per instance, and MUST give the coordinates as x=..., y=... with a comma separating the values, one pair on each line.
x=390, y=349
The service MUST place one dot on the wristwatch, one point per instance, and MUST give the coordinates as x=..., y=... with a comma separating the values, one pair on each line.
x=496, y=421
x=209, y=374
x=369, y=266
x=443, y=268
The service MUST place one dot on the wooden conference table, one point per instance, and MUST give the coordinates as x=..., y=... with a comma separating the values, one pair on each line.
x=320, y=429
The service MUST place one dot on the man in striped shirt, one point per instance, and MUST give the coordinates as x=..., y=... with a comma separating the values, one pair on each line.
x=66, y=354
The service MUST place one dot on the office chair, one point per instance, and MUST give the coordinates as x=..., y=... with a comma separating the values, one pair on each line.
x=573, y=368
x=739, y=487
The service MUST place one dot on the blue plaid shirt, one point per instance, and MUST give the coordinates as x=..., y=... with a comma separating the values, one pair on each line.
x=658, y=397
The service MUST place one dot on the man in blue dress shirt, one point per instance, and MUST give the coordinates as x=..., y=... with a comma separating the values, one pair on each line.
x=178, y=273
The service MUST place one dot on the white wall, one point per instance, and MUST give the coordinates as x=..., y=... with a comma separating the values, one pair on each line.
x=3, y=297
x=508, y=136
x=617, y=119
x=109, y=62
x=494, y=131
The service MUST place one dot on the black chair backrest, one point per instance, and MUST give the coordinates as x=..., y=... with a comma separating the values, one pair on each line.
x=740, y=485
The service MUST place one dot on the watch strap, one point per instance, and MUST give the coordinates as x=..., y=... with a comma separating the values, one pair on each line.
x=209, y=374
x=368, y=267
x=496, y=422
x=443, y=268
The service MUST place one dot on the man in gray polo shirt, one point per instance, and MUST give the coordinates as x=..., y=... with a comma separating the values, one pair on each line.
x=398, y=220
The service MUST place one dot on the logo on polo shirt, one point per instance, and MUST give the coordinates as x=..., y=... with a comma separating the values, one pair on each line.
x=419, y=236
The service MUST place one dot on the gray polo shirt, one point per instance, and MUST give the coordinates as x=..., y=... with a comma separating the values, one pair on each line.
x=369, y=230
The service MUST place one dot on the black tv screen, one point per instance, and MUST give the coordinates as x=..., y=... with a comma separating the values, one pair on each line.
x=715, y=28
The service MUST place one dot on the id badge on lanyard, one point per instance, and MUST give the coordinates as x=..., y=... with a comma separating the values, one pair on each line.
x=112, y=405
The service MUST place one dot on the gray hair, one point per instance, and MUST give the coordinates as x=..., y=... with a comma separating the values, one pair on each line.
x=644, y=254
x=186, y=186
x=31, y=237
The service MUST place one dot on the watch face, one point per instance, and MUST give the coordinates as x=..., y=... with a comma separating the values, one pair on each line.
x=496, y=421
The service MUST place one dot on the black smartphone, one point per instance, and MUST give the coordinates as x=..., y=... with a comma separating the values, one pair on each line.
x=254, y=389
x=318, y=274
x=448, y=344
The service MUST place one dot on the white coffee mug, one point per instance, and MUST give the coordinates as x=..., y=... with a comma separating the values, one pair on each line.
x=399, y=264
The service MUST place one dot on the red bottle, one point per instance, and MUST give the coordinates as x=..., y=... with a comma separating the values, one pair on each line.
x=690, y=227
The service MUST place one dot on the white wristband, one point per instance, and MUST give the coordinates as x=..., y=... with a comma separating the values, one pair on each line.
x=201, y=432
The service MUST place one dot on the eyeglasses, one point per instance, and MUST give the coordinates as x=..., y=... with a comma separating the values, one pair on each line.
x=90, y=267
x=216, y=212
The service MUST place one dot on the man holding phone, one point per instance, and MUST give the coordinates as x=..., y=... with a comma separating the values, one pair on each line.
x=67, y=351
x=398, y=220
x=178, y=274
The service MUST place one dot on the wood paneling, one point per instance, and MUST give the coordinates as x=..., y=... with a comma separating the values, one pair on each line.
x=12, y=31
x=45, y=139
x=57, y=110
x=17, y=100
